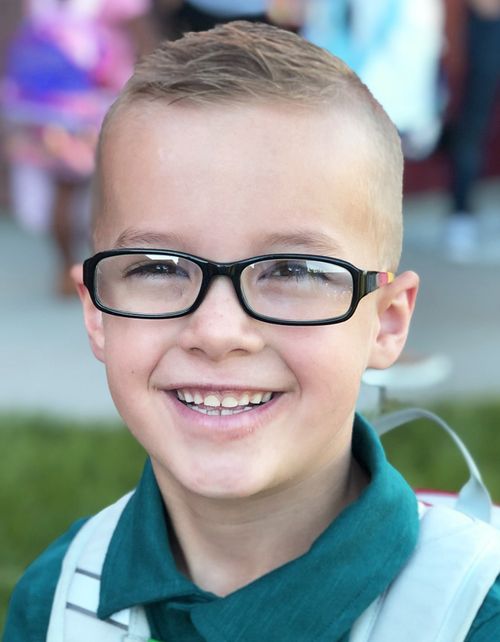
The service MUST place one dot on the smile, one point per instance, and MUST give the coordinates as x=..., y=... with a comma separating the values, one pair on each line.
x=222, y=403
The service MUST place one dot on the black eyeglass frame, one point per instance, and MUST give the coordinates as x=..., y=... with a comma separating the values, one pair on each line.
x=363, y=281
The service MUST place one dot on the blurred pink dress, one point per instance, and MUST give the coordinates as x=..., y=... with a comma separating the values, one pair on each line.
x=66, y=63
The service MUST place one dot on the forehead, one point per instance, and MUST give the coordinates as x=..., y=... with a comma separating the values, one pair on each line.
x=227, y=182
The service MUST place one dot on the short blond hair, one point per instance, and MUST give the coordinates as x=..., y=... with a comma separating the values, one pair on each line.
x=242, y=62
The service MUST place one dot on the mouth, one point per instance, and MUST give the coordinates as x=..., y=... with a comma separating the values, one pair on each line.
x=223, y=403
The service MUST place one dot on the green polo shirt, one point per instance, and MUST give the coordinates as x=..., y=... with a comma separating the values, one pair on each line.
x=316, y=597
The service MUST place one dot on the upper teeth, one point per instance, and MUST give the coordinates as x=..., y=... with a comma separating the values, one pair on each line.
x=217, y=400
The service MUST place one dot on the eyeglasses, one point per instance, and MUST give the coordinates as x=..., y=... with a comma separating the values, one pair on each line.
x=286, y=289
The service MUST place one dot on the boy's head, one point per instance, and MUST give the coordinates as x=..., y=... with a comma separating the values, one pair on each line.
x=228, y=145
x=241, y=64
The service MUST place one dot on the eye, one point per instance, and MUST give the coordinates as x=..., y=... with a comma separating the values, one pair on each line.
x=296, y=270
x=155, y=269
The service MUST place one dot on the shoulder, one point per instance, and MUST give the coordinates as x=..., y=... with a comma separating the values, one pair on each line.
x=480, y=543
x=454, y=567
x=486, y=626
x=31, y=602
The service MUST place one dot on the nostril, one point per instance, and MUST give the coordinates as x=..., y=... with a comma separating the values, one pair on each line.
x=220, y=326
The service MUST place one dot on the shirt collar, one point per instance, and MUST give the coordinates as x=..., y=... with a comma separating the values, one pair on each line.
x=317, y=596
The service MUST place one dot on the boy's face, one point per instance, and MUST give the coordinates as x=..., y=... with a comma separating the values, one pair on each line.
x=227, y=183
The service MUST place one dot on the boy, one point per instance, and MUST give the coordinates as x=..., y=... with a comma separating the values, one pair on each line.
x=267, y=509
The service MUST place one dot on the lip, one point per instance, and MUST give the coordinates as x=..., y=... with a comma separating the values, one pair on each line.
x=220, y=428
x=218, y=387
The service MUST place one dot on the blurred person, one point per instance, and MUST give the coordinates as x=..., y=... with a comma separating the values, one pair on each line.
x=288, y=14
x=179, y=16
x=468, y=135
x=395, y=46
x=66, y=63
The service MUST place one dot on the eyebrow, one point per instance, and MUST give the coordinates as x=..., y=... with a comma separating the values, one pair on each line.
x=133, y=237
x=307, y=240
x=314, y=241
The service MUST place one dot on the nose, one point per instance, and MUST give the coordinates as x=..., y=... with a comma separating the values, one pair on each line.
x=220, y=327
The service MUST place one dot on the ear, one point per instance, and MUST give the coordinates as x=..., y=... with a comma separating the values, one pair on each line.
x=395, y=308
x=92, y=316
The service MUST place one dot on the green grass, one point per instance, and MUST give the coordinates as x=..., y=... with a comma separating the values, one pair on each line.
x=428, y=458
x=52, y=473
x=55, y=471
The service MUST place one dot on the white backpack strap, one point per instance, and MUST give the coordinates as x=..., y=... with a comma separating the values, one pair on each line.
x=439, y=592
x=474, y=498
x=74, y=610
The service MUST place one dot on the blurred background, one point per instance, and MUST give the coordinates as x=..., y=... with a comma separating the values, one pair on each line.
x=434, y=65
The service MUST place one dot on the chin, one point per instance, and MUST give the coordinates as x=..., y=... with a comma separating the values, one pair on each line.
x=224, y=483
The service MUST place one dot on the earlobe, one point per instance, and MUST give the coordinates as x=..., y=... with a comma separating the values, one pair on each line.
x=395, y=309
x=92, y=316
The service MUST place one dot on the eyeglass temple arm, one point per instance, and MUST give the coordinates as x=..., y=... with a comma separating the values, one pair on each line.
x=373, y=280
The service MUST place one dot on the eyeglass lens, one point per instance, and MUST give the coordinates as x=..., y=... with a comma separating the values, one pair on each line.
x=287, y=289
x=147, y=283
x=297, y=289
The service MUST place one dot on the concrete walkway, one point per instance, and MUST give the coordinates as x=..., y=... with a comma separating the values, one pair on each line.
x=46, y=363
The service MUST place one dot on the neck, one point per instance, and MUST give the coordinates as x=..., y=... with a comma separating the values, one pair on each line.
x=223, y=545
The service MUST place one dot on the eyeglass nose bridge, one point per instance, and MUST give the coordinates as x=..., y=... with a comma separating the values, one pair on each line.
x=211, y=271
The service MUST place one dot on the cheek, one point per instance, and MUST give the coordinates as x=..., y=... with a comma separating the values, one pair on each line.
x=133, y=348
x=328, y=361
